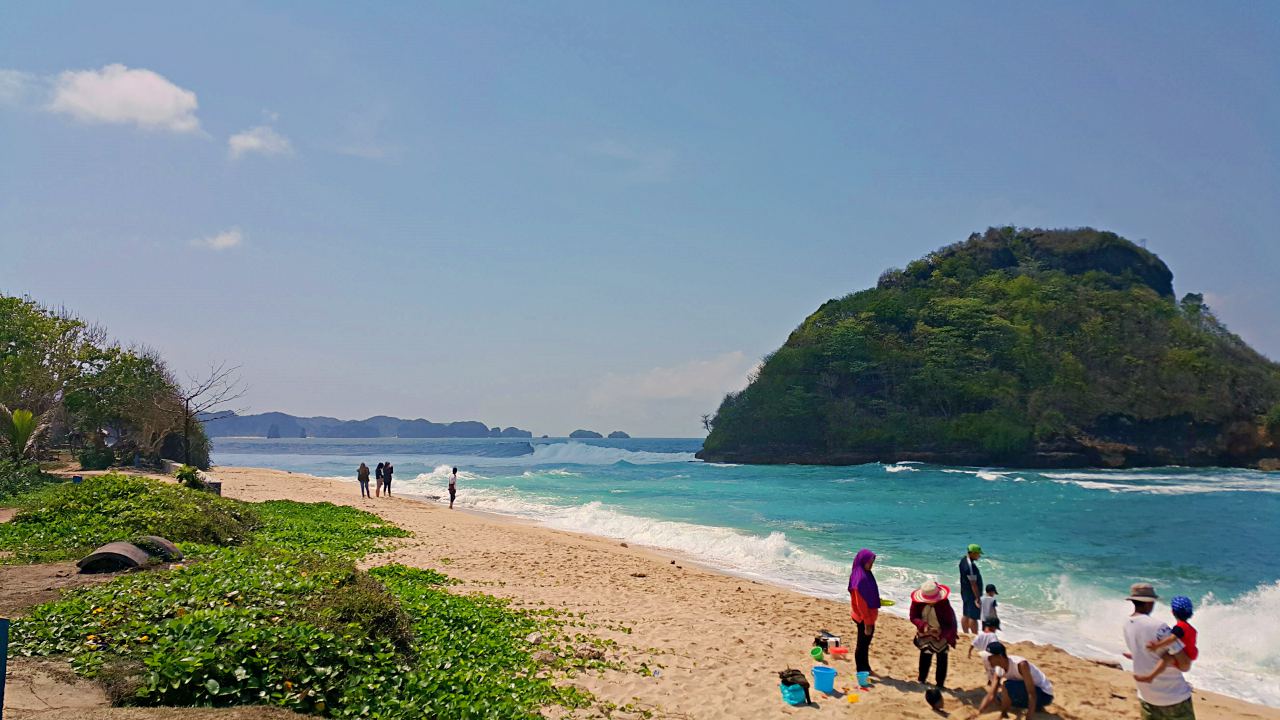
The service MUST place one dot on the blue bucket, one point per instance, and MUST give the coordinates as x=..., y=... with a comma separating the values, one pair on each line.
x=792, y=694
x=824, y=679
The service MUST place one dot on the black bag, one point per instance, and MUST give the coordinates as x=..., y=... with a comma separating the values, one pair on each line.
x=791, y=676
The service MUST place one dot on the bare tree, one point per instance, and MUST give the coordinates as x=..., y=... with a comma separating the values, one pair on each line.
x=210, y=393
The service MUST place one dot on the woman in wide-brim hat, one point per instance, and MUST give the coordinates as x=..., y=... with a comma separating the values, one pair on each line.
x=936, y=629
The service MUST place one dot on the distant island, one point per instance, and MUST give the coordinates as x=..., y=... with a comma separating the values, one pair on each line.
x=585, y=435
x=619, y=435
x=1017, y=347
x=283, y=425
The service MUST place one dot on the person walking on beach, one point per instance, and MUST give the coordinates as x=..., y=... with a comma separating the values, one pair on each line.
x=1167, y=695
x=378, y=476
x=970, y=590
x=362, y=474
x=387, y=469
x=864, y=597
x=1024, y=684
x=935, y=623
x=453, y=487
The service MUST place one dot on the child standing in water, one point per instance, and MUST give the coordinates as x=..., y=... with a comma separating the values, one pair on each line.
x=1182, y=631
x=989, y=604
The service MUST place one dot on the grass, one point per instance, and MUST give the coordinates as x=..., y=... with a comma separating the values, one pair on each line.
x=285, y=618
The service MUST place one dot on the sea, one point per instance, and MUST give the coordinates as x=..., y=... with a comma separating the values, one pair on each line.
x=1062, y=546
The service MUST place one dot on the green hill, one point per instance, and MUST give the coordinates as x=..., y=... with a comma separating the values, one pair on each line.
x=1017, y=347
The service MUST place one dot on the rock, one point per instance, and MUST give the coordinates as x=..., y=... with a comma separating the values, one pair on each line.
x=585, y=435
x=624, y=545
x=587, y=652
x=544, y=657
x=638, y=575
x=619, y=435
x=533, y=638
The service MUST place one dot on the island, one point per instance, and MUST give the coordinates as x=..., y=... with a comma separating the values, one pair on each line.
x=281, y=425
x=585, y=435
x=619, y=435
x=1017, y=347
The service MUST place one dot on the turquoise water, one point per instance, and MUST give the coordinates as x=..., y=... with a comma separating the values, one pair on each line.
x=1062, y=546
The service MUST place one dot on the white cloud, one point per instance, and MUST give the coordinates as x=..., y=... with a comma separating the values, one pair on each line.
x=117, y=94
x=222, y=241
x=631, y=163
x=261, y=139
x=666, y=400
x=15, y=85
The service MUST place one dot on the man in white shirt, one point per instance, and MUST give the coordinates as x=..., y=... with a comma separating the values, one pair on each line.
x=1168, y=695
x=1023, y=684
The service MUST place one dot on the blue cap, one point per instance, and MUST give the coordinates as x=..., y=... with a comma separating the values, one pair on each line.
x=1181, y=606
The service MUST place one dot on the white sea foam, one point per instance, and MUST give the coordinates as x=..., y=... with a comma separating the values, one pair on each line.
x=573, y=453
x=1157, y=484
x=900, y=467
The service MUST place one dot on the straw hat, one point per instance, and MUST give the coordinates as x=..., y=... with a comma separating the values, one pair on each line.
x=931, y=592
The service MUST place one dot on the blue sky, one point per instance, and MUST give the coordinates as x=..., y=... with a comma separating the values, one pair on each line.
x=560, y=215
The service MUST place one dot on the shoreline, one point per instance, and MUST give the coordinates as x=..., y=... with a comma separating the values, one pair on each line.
x=716, y=640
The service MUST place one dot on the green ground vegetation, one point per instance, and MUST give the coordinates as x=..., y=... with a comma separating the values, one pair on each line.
x=1012, y=339
x=282, y=616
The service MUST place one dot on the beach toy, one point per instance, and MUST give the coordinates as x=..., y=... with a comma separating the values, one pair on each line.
x=887, y=603
x=864, y=679
x=824, y=679
x=792, y=694
x=852, y=697
x=840, y=653
x=816, y=653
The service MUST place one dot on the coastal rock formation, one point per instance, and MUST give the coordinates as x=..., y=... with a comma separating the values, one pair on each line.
x=585, y=435
x=281, y=425
x=619, y=435
x=1017, y=347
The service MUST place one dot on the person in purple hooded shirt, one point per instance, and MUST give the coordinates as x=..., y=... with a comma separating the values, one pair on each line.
x=864, y=598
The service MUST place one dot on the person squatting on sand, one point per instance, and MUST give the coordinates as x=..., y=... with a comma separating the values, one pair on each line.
x=970, y=590
x=1166, y=695
x=1016, y=676
x=864, y=598
x=362, y=475
x=935, y=623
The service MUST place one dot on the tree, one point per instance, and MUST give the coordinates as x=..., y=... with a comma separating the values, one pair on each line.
x=207, y=395
x=41, y=352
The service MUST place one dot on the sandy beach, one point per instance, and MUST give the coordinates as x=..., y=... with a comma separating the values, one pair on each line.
x=716, y=641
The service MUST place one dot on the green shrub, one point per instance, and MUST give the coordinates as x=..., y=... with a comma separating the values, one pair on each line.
x=69, y=520
x=189, y=476
x=1271, y=421
x=97, y=458
x=17, y=478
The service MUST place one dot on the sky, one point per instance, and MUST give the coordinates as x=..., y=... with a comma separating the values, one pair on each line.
x=578, y=214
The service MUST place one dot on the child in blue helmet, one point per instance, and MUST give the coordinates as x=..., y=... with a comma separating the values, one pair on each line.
x=1182, y=632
